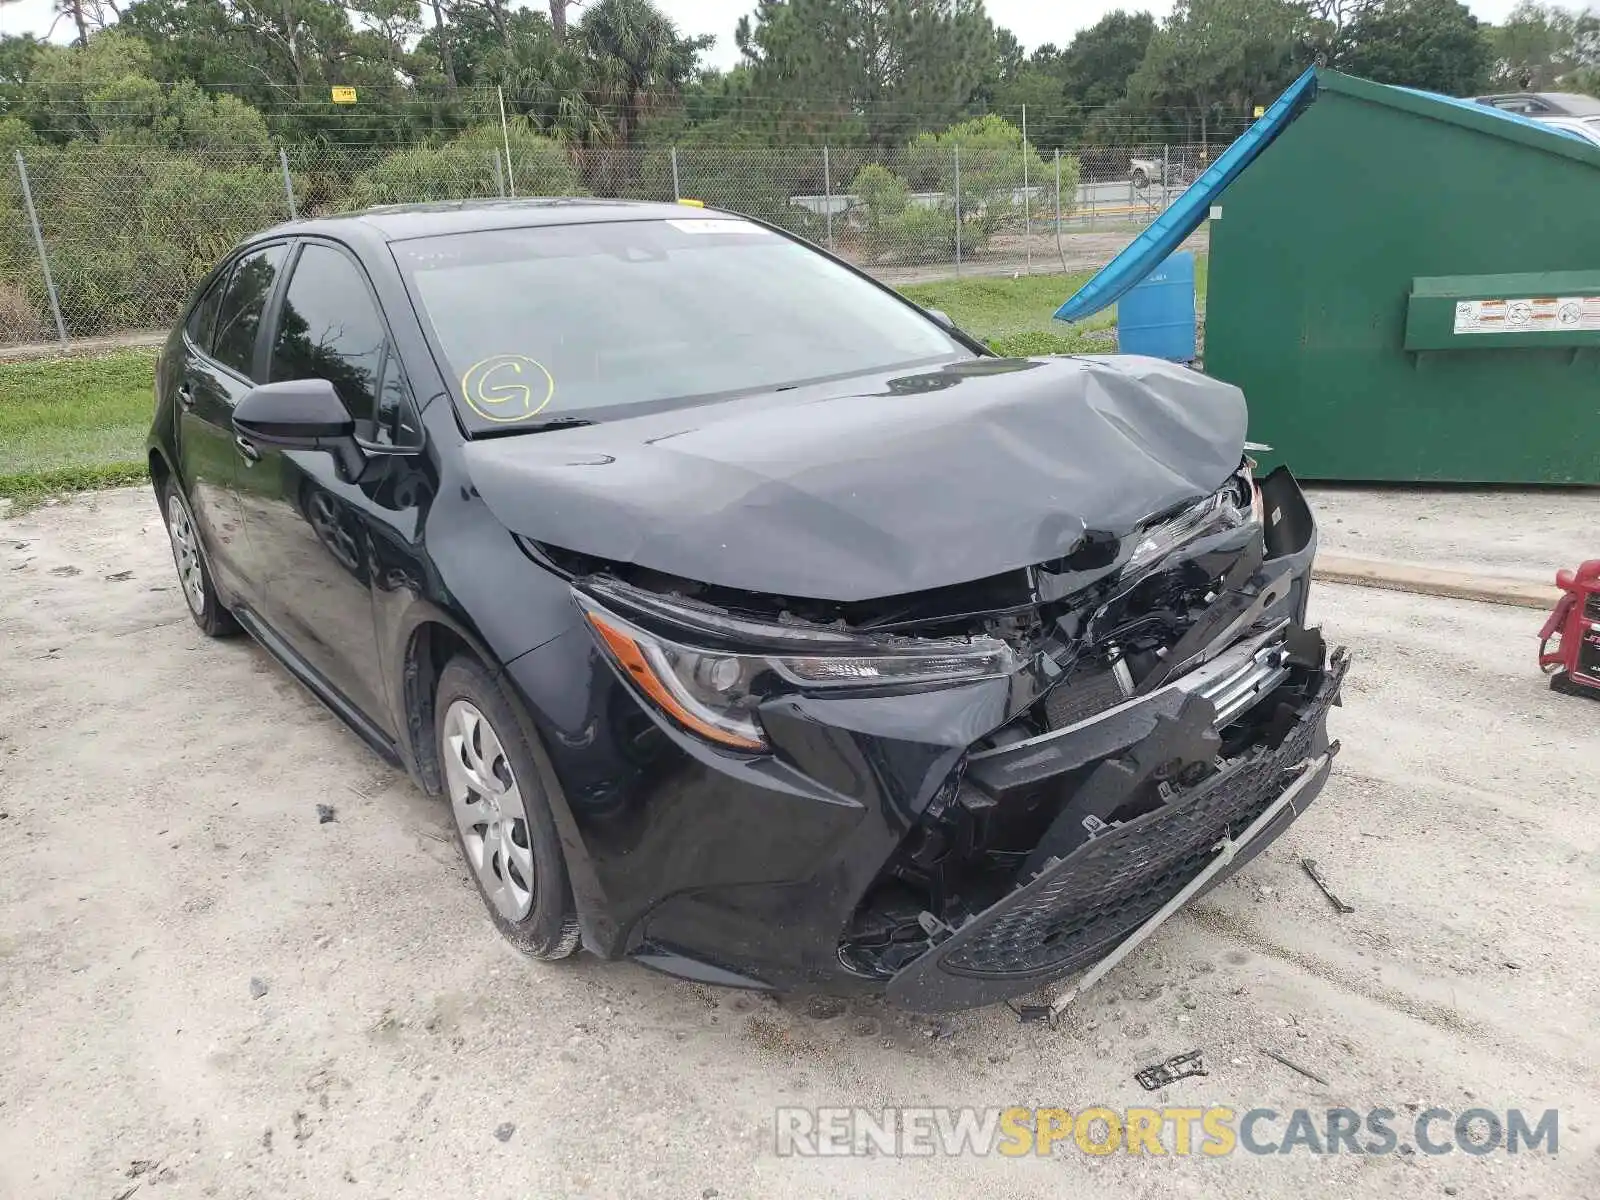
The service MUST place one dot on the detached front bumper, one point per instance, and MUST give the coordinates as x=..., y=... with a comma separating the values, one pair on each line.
x=1108, y=879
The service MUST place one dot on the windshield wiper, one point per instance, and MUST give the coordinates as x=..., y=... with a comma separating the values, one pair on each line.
x=537, y=426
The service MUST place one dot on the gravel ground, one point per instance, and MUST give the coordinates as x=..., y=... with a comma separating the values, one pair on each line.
x=204, y=992
x=1520, y=534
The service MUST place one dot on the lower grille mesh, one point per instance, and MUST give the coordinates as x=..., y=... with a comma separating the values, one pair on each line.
x=1117, y=881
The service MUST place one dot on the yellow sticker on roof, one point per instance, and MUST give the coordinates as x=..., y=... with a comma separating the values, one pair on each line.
x=715, y=225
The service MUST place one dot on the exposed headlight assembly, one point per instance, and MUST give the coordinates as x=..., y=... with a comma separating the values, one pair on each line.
x=1227, y=508
x=712, y=671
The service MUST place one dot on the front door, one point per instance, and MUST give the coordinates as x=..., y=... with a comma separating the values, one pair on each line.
x=309, y=529
x=219, y=349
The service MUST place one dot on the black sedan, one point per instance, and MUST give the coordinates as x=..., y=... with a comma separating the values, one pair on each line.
x=756, y=624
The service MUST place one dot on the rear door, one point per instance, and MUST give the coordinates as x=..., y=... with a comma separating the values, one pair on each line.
x=221, y=339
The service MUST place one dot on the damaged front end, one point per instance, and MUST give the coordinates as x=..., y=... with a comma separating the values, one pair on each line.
x=1052, y=753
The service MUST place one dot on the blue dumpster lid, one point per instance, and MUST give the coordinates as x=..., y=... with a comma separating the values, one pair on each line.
x=1168, y=231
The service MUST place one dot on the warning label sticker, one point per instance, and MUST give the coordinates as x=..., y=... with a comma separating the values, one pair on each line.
x=1536, y=314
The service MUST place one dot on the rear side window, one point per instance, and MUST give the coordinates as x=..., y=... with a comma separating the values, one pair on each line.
x=243, y=301
x=329, y=328
x=203, y=320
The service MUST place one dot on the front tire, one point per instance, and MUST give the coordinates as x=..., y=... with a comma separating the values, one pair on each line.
x=504, y=829
x=194, y=577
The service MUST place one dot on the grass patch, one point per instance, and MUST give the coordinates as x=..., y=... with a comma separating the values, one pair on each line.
x=73, y=423
x=1017, y=316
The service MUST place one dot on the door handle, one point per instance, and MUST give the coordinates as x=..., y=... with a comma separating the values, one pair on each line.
x=186, y=395
x=247, y=448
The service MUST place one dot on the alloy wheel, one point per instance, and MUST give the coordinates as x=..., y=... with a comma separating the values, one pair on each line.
x=486, y=800
x=186, y=554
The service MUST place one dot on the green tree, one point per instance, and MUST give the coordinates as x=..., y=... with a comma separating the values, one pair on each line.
x=1217, y=59
x=1437, y=45
x=903, y=65
x=1543, y=46
x=1096, y=66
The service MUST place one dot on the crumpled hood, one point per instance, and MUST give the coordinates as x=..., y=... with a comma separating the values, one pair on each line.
x=878, y=486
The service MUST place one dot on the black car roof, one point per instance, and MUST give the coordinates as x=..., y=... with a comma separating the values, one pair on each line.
x=397, y=222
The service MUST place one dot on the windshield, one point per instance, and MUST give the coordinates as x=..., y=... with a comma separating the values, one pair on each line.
x=603, y=320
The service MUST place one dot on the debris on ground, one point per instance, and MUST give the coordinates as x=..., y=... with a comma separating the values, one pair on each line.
x=504, y=1131
x=258, y=987
x=326, y=813
x=1294, y=1066
x=824, y=1008
x=1179, y=1066
x=1310, y=866
x=119, y=577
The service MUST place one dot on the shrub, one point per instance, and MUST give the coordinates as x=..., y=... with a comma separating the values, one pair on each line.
x=882, y=197
x=923, y=233
x=130, y=232
x=991, y=172
x=466, y=167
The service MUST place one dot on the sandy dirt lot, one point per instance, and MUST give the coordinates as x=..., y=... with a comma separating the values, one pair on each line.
x=1516, y=534
x=205, y=992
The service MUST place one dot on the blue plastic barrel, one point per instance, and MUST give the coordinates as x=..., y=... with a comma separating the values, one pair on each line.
x=1156, y=316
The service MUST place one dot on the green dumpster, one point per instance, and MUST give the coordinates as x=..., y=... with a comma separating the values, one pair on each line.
x=1409, y=290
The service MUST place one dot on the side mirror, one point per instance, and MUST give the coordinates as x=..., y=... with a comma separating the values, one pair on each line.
x=300, y=414
x=939, y=315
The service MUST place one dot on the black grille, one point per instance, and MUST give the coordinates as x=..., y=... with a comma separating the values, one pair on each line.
x=1117, y=881
x=1591, y=608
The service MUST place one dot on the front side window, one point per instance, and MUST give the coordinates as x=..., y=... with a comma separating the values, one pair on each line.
x=329, y=328
x=597, y=320
x=243, y=301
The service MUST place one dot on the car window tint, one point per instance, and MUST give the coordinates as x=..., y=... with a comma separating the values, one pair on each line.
x=243, y=301
x=203, y=320
x=329, y=328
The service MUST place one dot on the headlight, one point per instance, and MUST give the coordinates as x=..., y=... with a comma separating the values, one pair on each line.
x=715, y=692
x=1227, y=508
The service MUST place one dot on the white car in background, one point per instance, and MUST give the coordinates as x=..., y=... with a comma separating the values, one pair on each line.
x=1572, y=111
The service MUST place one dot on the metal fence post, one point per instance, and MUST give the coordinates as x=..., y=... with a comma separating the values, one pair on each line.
x=1166, y=173
x=957, y=150
x=505, y=135
x=38, y=241
x=288, y=182
x=1027, y=218
x=499, y=173
x=1058, y=192
x=827, y=195
x=677, y=191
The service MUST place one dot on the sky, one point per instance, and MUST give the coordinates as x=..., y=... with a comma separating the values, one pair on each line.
x=1033, y=22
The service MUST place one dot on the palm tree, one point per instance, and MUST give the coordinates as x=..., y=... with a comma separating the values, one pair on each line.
x=635, y=60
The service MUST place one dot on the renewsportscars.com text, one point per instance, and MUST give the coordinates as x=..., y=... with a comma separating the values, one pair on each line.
x=1213, y=1132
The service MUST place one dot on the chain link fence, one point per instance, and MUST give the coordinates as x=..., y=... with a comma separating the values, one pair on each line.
x=99, y=240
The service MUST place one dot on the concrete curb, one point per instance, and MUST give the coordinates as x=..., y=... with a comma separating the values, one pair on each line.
x=1433, y=581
